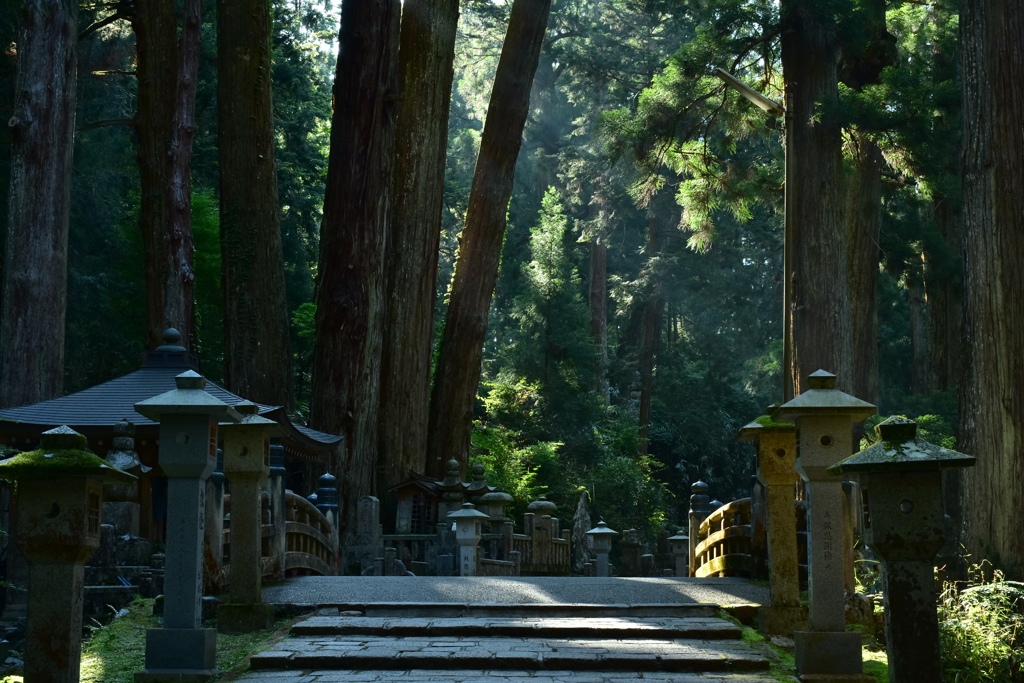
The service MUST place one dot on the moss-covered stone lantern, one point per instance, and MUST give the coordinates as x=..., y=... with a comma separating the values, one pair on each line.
x=59, y=499
x=246, y=465
x=902, y=477
x=776, y=470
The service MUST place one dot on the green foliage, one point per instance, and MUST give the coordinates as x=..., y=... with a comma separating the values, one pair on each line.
x=511, y=465
x=209, y=301
x=982, y=629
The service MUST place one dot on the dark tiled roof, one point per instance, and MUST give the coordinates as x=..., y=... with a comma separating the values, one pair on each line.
x=105, y=404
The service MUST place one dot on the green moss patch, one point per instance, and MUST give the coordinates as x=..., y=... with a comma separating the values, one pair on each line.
x=58, y=463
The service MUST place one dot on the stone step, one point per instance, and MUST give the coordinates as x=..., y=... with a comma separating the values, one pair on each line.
x=449, y=610
x=637, y=654
x=630, y=627
x=492, y=676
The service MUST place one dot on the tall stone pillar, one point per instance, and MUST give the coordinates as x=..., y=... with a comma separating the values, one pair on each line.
x=276, y=485
x=699, y=511
x=188, y=418
x=246, y=465
x=776, y=470
x=824, y=418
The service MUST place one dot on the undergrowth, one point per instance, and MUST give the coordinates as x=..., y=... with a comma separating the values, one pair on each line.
x=117, y=651
x=982, y=628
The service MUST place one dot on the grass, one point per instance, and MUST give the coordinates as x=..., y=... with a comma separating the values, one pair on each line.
x=782, y=667
x=116, y=651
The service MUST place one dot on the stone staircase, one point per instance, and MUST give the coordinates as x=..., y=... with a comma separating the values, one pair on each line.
x=413, y=642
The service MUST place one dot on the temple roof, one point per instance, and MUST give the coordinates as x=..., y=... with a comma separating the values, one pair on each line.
x=94, y=411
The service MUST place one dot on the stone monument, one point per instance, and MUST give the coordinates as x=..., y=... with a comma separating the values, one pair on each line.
x=188, y=418
x=824, y=417
x=776, y=470
x=246, y=466
x=903, y=479
x=601, y=536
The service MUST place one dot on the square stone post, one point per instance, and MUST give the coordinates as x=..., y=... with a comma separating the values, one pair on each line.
x=903, y=479
x=776, y=470
x=246, y=465
x=824, y=417
x=699, y=511
x=59, y=496
x=188, y=418
x=276, y=485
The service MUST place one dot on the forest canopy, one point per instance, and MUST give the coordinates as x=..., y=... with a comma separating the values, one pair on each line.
x=343, y=203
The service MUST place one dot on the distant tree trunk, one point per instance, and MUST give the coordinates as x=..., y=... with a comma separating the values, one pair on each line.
x=425, y=58
x=650, y=333
x=42, y=131
x=178, y=302
x=458, y=370
x=863, y=222
x=156, y=70
x=820, y=302
x=599, y=311
x=257, y=356
x=357, y=209
x=943, y=283
x=992, y=402
x=918, y=336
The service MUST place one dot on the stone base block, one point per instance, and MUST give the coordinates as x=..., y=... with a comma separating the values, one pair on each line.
x=244, y=618
x=185, y=650
x=837, y=678
x=174, y=676
x=828, y=652
x=782, y=621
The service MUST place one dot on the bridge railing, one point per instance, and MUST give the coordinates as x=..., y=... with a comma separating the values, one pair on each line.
x=309, y=544
x=543, y=549
x=723, y=547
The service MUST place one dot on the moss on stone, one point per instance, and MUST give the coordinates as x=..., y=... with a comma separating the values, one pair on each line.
x=58, y=463
x=767, y=422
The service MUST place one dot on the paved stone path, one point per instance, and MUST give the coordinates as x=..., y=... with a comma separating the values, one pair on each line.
x=511, y=630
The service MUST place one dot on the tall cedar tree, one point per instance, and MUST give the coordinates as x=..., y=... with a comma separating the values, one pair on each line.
x=257, y=357
x=476, y=269
x=36, y=257
x=650, y=333
x=156, y=70
x=820, y=298
x=426, y=57
x=992, y=393
x=357, y=208
x=180, y=278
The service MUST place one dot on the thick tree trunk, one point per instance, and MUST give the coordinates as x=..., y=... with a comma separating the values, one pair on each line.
x=458, y=371
x=357, y=209
x=863, y=222
x=992, y=394
x=178, y=302
x=599, y=311
x=820, y=297
x=425, y=58
x=156, y=71
x=257, y=356
x=36, y=258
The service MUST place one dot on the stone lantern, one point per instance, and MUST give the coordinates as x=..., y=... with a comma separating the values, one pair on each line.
x=824, y=417
x=776, y=470
x=601, y=536
x=188, y=418
x=246, y=466
x=902, y=477
x=468, y=535
x=496, y=503
x=681, y=549
x=59, y=497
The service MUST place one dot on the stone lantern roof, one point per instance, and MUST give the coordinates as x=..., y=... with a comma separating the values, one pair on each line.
x=763, y=425
x=899, y=449
x=62, y=454
x=822, y=398
x=94, y=411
